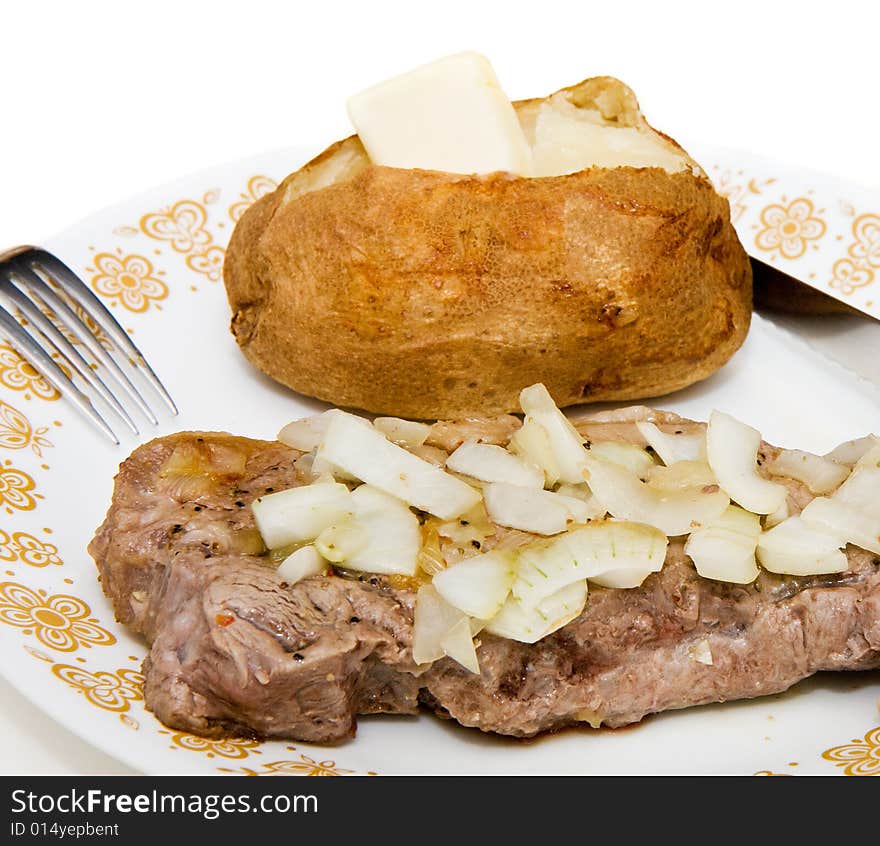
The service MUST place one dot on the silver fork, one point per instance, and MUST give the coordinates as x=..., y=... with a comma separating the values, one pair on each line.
x=39, y=295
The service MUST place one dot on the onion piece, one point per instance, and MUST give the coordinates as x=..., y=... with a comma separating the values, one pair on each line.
x=634, y=458
x=405, y=433
x=732, y=450
x=532, y=510
x=871, y=458
x=844, y=520
x=532, y=443
x=820, y=475
x=301, y=514
x=595, y=509
x=306, y=434
x=565, y=441
x=626, y=497
x=673, y=448
x=368, y=455
x=850, y=452
x=725, y=549
x=433, y=619
x=681, y=475
x=780, y=514
x=304, y=562
x=491, y=463
x=479, y=585
x=528, y=624
x=382, y=536
x=861, y=490
x=622, y=553
x=458, y=644
x=796, y=548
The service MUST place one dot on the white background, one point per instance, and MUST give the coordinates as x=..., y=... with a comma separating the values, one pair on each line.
x=101, y=100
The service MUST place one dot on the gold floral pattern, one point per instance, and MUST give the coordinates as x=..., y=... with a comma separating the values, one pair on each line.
x=231, y=747
x=60, y=622
x=184, y=227
x=20, y=546
x=110, y=691
x=20, y=375
x=860, y=268
x=788, y=229
x=739, y=190
x=15, y=490
x=128, y=280
x=859, y=758
x=304, y=766
x=16, y=431
x=257, y=186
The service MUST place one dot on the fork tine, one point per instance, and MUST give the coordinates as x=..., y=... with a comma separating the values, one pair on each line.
x=39, y=259
x=41, y=291
x=53, y=374
x=54, y=336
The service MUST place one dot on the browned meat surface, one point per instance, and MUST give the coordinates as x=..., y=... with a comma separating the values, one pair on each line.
x=234, y=649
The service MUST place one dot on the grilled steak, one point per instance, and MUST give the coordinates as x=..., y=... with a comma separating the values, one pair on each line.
x=235, y=649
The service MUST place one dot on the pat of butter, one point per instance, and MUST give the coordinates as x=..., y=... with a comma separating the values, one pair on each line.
x=450, y=115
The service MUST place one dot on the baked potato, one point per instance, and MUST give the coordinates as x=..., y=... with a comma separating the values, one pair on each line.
x=612, y=273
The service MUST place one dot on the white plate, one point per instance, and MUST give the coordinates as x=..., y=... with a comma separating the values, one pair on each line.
x=156, y=260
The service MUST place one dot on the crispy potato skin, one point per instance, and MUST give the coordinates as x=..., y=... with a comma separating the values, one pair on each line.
x=428, y=295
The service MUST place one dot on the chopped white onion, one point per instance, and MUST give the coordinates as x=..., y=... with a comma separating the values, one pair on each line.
x=862, y=490
x=820, y=475
x=595, y=509
x=797, y=548
x=433, y=619
x=844, y=520
x=780, y=514
x=532, y=443
x=701, y=652
x=851, y=451
x=610, y=552
x=681, y=475
x=689, y=446
x=634, y=458
x=565, y=442
x=383, y=536
x=458, y=644
x=732, y=450
x=675, y=512
x=368, y=455
x=304, y=562
x=491, y=463
x=306, y=434
x=725, y=549
x=529, y=623
x=405, y=433
x=478, y=586
x=533, y=509
x=301, y=514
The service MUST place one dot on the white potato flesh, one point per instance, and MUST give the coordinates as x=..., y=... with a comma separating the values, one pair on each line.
x=634, y=458
x=725, y=549
x=367, y=454
x=383, y=536
x=861, y=490
x=674, y=513
x=626, y=553
x=458, y=644
x=301, y=514
x=796, y=548
x=304, y=562
x=565, y=442
x=845, y=520
x=672, y=448
x=478, y=586
x=532, y=509
x=532, y=443
x=405, y=433
x=433, y=619
x=732, y=450
x=850, y=452
x=820, y=475
x=491, y=463
x=529, y=623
